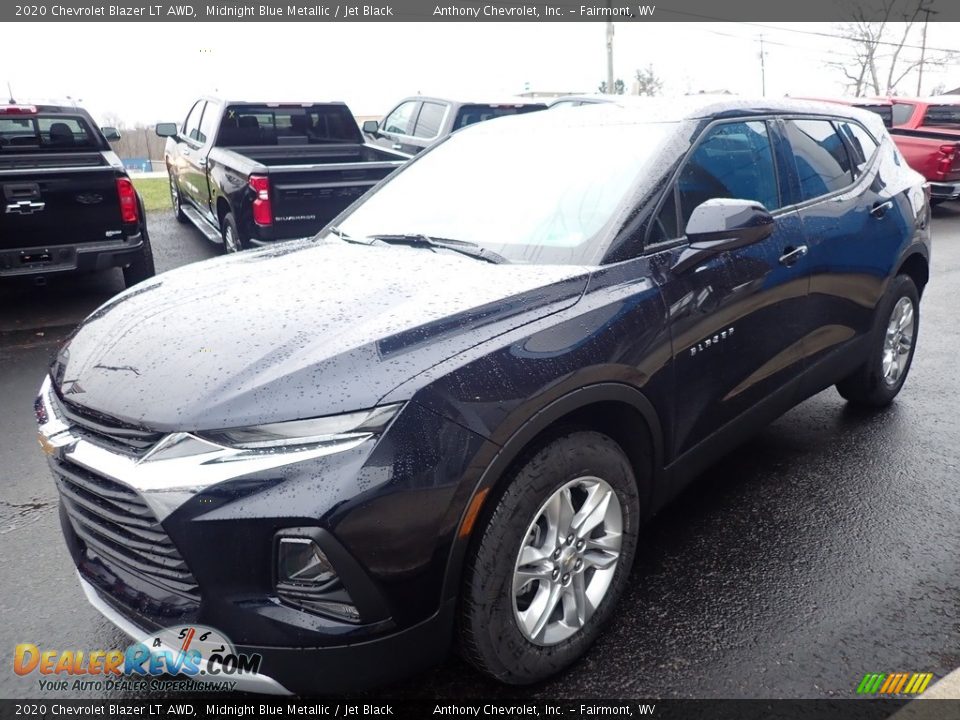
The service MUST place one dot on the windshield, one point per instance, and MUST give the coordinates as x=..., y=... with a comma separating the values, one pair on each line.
x=532, y=194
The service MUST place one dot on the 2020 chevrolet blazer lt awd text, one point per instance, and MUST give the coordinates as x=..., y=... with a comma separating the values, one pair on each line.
x=443, y=420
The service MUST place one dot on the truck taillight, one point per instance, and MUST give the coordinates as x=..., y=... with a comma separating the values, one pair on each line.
x=262, y=210
x=128, y=201
x=950, y=162
x=18, y=110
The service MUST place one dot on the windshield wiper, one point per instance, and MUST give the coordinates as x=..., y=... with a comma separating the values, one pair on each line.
x=434, y=243
x=337, y=232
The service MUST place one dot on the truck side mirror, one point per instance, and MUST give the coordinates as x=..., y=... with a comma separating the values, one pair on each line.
x=166, y=129
x=110, y=133
x=371, y=127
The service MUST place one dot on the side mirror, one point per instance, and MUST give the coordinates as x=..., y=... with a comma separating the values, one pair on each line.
x=167, y=129
x=370, y=127
x=723, y=224
x=110, y=133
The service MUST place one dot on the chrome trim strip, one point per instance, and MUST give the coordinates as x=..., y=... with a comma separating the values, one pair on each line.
x=257, y=682
x=180, y=465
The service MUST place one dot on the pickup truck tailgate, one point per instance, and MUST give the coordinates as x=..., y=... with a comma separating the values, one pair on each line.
x=304, y=200
x=53, y=200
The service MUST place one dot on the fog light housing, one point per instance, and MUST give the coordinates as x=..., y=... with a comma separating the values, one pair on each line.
x=302, y=562
x=307, y=579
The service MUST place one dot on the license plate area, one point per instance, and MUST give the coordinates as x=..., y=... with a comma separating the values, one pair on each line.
x=37, y=257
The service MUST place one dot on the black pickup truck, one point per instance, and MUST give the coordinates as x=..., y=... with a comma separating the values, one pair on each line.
x=68, y=204
x=250, y=173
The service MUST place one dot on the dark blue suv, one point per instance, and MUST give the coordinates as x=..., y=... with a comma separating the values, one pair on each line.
x=446, y=417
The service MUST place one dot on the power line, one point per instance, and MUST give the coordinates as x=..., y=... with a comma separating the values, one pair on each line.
x=817, y=33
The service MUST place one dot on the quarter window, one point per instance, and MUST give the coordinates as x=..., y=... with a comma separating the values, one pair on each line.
x=734, y=160
x=429, y=120
x=822, y=163
x=401, y=119
x=862, y=145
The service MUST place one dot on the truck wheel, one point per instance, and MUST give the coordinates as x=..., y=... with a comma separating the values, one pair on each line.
x=552, y=561
x=894, y=337
x=142, y=266
x=175, y=199
x=231, y=235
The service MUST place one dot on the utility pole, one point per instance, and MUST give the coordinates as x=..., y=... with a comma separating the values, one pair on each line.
x=610, y=89
x=923, y=47
x=763, y=69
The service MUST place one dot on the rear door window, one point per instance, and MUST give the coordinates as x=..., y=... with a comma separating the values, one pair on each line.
x=733, y=160
x=823, y=165
x=429, y=120
x=470, y=114
x=208, y=123
x=191, y=126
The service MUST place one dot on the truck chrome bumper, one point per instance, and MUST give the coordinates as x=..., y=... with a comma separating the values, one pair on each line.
x=945, y=191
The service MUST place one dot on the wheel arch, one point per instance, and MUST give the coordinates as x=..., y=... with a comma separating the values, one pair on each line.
x=620, y=411
x=916, y=266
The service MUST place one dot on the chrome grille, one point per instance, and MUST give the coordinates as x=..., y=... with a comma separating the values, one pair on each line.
x=99, y=430
x=116, y=525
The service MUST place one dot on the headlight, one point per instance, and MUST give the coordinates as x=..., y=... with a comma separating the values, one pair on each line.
x=322, y=430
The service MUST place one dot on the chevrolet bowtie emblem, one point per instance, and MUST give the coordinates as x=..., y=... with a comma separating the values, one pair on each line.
x=25, y=207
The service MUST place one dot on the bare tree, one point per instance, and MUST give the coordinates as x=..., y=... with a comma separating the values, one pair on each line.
x=647, y=82
x=882, y=35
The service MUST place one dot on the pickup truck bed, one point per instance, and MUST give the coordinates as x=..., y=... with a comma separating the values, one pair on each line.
x=935, y=155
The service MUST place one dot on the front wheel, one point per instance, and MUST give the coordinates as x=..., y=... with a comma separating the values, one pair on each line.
x=878, y=381
x=553, y=560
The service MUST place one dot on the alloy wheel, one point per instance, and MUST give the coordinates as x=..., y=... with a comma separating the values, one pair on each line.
x=567, y=561
x=898, y=341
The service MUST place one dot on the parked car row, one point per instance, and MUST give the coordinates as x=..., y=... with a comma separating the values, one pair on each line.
x=445, y=418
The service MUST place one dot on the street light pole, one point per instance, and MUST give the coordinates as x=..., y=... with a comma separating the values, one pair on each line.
x=610, y=89
x=763, y=69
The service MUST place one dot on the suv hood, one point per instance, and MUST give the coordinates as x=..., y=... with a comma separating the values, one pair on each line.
x=300, y=330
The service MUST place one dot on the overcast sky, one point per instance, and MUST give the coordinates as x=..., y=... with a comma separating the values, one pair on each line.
x=147, y=72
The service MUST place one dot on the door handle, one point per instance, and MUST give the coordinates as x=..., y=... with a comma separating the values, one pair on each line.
x=879, y=209
x=397, y=146
x=202, y=162
x=792, y=254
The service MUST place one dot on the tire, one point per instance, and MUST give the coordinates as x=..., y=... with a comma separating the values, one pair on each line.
x=142, y=266
x=175, y=200
x=232, y=242
x=491, y=613
x=878, y=381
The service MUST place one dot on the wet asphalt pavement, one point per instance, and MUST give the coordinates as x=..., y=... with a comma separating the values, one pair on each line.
x=825, y=548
